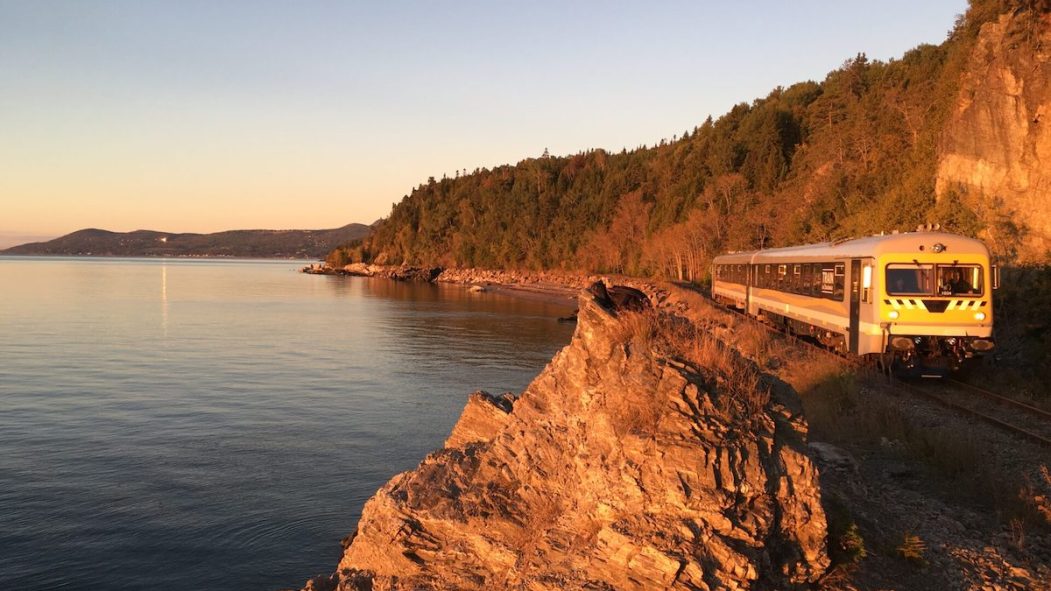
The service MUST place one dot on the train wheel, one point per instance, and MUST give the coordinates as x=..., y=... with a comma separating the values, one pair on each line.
x=885, y=363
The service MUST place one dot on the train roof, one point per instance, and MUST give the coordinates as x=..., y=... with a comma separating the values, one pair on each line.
x=908, y=242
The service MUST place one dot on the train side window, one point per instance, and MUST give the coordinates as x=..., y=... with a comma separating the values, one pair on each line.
x=782, y=271
x=840, y=281
x=815, y=279
x=828, y=280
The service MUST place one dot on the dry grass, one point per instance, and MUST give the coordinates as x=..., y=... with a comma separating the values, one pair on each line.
x=912, y=549
x=735, y=381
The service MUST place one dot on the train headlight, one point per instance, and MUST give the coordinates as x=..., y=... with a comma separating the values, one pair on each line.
x=901, y=343
x=982, y=345
x=979, y=316
x=893, y=314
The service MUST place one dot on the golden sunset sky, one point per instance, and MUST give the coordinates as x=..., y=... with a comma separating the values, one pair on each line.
x=199, y=116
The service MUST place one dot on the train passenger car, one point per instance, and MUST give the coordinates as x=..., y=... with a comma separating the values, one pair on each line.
x=922, y=298
x=730, y=286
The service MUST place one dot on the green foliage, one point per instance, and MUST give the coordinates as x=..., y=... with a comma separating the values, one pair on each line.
x=338, y=258
x=954, y=215
x=1023, y=317
x=852, y=545
x=846, y=546
x=853, y=154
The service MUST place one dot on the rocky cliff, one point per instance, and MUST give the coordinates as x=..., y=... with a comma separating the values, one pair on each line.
x=624, y=465
x=996, y=149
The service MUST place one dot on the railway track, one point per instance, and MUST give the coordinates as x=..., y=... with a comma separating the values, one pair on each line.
x=1023, y=420
x=1001, y=399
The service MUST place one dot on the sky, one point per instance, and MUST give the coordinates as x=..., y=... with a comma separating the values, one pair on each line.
x=201, y=116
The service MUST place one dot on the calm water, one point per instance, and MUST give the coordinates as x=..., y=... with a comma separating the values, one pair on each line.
x=173, y=424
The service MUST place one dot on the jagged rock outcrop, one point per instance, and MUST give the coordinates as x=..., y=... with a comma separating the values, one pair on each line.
x=617, y=468
x=997, y=145
x=484, y=416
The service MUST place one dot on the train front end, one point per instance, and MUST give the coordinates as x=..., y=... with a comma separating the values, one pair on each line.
x=935, y=309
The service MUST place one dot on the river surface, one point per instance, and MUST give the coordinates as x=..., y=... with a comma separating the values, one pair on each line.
x=192, y=424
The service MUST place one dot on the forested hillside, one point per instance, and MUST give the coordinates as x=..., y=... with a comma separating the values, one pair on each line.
x=853, y=154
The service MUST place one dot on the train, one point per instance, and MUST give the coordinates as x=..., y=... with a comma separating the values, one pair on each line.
x=918, y=302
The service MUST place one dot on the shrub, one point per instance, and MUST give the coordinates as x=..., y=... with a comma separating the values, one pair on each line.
x=912, y=549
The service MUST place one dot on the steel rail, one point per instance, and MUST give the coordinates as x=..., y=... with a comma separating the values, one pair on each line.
x=1024, y=433
x=1037, y=412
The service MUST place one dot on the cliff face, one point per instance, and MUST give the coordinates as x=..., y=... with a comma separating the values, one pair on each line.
x=997, y=145
x=615, y=469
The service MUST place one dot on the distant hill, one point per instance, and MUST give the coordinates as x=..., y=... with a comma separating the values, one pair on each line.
x=233, y=243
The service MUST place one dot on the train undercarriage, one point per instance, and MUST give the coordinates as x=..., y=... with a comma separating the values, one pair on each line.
x=935, y=356
x=923, y=356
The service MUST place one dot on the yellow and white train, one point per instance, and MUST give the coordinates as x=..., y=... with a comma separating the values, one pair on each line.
x=923, y=297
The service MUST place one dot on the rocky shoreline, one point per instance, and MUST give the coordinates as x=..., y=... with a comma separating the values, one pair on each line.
x=545, y=284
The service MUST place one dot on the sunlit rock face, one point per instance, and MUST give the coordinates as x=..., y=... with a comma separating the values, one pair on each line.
x=997, y=145
x=615, y=469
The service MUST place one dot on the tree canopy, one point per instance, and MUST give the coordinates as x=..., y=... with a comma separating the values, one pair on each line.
x=853, y=154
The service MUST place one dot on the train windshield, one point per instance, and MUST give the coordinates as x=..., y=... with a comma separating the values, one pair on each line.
x=910, y=279
x=959, y=280
x=924, y=280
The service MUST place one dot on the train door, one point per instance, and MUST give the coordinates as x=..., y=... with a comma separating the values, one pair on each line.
x=749, y=281
x=855, y=304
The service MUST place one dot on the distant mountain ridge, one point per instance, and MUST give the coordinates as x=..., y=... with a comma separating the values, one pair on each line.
x=231, y=243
